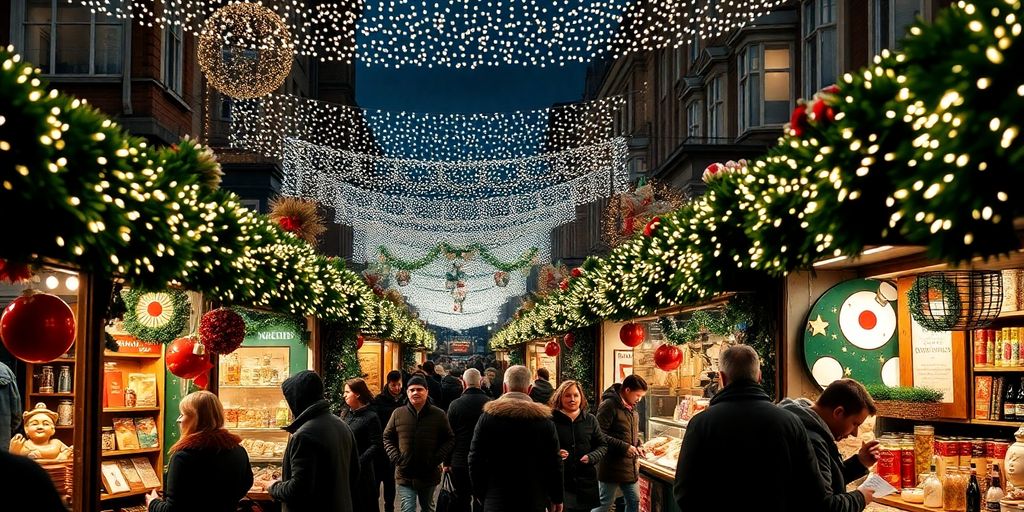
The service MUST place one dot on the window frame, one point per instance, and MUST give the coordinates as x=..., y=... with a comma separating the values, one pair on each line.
x=745, y=74
x=811, y=30
x=20, y=20
x=715, y=107
x=888, y=25
x=172, y=61
x=694, y=119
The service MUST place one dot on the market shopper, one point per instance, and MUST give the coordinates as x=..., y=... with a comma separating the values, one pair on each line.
x=742, y=423
x=433, y=381
x=451, y=388
x=367, y=430
x=840, y=410
x=581, y=446
x=542, y=389
x=209, y=470
x=513, y=457
x=463, y=414
x=321, y=463
x=25, y=485
x=10, y=406
x=418, y=439
x=491, y=383
x=384, y=404
x=619, y=470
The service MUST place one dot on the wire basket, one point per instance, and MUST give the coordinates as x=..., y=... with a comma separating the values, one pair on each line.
x=956, y=300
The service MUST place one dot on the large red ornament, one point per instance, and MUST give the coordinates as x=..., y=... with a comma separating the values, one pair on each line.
x=552, y=349
x=186, y=358
x=823, y=113
x=359, y=341
x=569, y=340
x=651, y=226
x=222, y=331
x=668, y=357
x=37, y=327
x=632, y=334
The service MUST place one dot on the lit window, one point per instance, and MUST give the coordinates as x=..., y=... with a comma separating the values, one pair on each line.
x=820, y=46
x=765, y=92
x=63, y=39
x=892, y=19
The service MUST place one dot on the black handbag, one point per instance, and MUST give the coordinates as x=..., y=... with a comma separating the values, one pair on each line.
x=446, y=498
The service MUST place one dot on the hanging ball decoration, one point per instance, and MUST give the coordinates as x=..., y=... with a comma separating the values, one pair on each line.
x=222, y=331
x=668, y=357
x=359, y=341
x=245, y=50
x=576, y=272
x=552, y=349
x=37, y=327
x=651, y=226
x=186, y=358
x=632, y=334
x=569, y=340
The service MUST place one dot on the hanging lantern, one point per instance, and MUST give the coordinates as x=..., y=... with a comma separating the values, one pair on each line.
x=37, y=327
x=359, y=341
x=222, y=331
x=632, y=334
x=187, y=358
x=552, y=349
x=569, y=339
x=245, y=50
x=668, y=357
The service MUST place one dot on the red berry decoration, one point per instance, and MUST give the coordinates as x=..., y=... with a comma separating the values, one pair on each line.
x=564, y=285
x=359, y=341
x=569, y=340
x=37, y=327
x=576, y=272
x=552, y=349
x=668, y=357
x=632, y=334
x=14, y=272
x=222, y=331
x=186, y=358
x=651, y=226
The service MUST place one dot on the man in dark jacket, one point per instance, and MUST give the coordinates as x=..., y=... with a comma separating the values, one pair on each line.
x=451, y=388
x=384, y=404
x=542, y=390
x=514, y=463
x=321, y=463
x=418, y=439
x=837, y=414
x=742, y=423
x=620, y=422
x=463, y=414
x=433, y=381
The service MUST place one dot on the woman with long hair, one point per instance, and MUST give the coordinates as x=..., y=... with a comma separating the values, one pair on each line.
x=209, y=471
x=581, y=446
x=364, y=423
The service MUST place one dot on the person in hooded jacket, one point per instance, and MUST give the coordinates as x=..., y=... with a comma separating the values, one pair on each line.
x=838, y=414
x=619, y=470
x=209, y=470
x=463, y=414
x=384, y=404
x=433, y=382
x=581, y=446
x=10, y=406
x=542, y=389
x=451, y=388
x=513, y=458
x=742, y=423
x=366, y=429
x=320, y=469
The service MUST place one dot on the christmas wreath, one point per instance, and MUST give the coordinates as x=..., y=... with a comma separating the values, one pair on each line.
x=156, y=316
x=920, y=302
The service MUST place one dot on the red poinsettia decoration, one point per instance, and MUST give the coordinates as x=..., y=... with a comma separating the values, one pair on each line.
x=798, y=121
x=576, y=272
x=564, y=284
x=14, y=272
x=289, y=224
x=651, y=226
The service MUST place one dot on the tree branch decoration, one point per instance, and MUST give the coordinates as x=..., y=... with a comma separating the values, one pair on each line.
x=628, y=213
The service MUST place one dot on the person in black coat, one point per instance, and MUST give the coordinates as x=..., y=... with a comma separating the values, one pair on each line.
x=384, y=404
x=24, y=483
x=369, y=443
x=463, y=414
x=513, y=458
x=451, y=388
x=321, y=463
x=491, y=385
x=581, y=446
x=433, y=382
x=735, y=427
x=209, y=471
x=542, y=389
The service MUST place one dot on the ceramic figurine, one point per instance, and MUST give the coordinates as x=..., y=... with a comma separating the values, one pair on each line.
x=40, y=445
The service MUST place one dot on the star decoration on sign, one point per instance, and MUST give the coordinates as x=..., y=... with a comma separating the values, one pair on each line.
x=881, y=359
x=817, y=326
x=835, y=337
x=847, y=371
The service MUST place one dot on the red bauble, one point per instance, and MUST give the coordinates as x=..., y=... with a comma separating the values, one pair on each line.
x=569, y=340
x=184, y=361
x=668, y=357
x=37, y=327
x=359, y=341
x=576, y=272
x=222, y=331
x=651, y=226
x=631, y=334
x=202, y=380
x=552, y=349
x=798, y=121
x=823, y=113
x=564, y=285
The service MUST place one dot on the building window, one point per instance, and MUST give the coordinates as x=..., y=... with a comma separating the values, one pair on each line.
x=68, y=39
x=693, y=115
x=820, y=45
x=174, y=57
x=892, y=19
x=226, y=103
x=716, y=107
x=694, y=49
x=764, y=85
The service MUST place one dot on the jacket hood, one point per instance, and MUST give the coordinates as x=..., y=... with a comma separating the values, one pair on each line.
x=612, y=392
x=317, y=409
x=219, y=439
x=561, y=417
x=801, y=407
x=741, y=391
x=302, y=390
x=6, y=375
x=542, y=385
x=512, y=405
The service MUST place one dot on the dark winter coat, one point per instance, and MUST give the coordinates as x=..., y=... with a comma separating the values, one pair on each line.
x=434, y=389
x=742, y=424
x=463, y=414
x=22, y=477
x=209, y=472
x=580, y=437
x=417, y=444
x=366, y=429
x=384, y=404
x=451, y=388
x=541, y=391
x=10, y=406
x=621, y=426
x=321, y=463
x=835, y=472
x=513, y=459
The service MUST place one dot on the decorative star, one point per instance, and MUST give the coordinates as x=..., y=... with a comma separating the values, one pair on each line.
x=844, y=349
x=847, y=371
x=835, y=337
x=835, y=310
x=881, y=359
x=817, y=326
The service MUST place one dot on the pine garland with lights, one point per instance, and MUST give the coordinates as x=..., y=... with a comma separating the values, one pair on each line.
x=578, y=363
x=339, y=361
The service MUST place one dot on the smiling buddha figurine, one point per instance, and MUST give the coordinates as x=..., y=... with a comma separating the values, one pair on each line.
x=40, y=445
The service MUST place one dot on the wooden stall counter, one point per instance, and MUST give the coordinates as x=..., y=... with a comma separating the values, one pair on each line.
x=896, y=502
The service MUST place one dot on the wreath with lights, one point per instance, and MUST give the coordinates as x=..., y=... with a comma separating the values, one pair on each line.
x=158, y=317
x=919, y=299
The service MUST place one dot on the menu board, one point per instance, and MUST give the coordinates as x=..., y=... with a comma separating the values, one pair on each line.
x=933, y=360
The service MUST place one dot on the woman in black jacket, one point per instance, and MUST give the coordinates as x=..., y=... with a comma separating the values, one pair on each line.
x=365, y=425
x=581, y=445
x=209, y=471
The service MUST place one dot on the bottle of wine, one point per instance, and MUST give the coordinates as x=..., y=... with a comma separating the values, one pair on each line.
x=994, y=492
x=973, y=491
x=1010, y=400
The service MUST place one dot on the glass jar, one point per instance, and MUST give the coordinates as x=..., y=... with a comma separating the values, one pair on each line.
x=64, y=381
x=46, y=380
x=954, y=489
x=924, y=447
x=932, y=486
x=908, y=465
x=65, y=413
x=889, y=460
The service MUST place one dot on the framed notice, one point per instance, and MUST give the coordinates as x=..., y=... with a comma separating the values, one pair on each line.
x=933, y=360
x=369, y=363
x=623, y=364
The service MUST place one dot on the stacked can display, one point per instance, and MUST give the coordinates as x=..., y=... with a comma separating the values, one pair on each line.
x=999, y=347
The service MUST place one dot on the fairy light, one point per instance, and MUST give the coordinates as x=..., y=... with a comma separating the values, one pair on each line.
x=245, y=50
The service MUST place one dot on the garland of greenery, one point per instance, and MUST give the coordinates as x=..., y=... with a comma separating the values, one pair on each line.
x=516, y=355
x=339, y=361
x=917, y=300
x=578, y=364
x=711, y=321
x=180, y=312
x=464, y=252
x=408, y=358
x=260, y=321
x=904, y=394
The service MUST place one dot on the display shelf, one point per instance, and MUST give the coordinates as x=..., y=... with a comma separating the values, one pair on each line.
x=119, y=355
x=267, y=386
x=998, y=369
x=276, y=460
x=65, y=427
x=255, y=429
x=131, y=409
x=658, y=470
x=136, y=451
x=1011, y=314
x=65, y=395
x=136, y=492
x=68, y=360
x=669, y=422
x=997, y=423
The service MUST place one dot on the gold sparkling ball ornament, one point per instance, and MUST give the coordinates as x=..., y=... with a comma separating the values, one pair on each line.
x=245, y=50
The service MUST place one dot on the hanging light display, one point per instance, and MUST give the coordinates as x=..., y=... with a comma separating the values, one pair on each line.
x=245, y=50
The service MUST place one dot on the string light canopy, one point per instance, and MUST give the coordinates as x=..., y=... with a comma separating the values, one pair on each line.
x=245, y=50
x=459, y=34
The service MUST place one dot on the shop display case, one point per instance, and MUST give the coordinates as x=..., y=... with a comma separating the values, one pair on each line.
x=664, y=439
